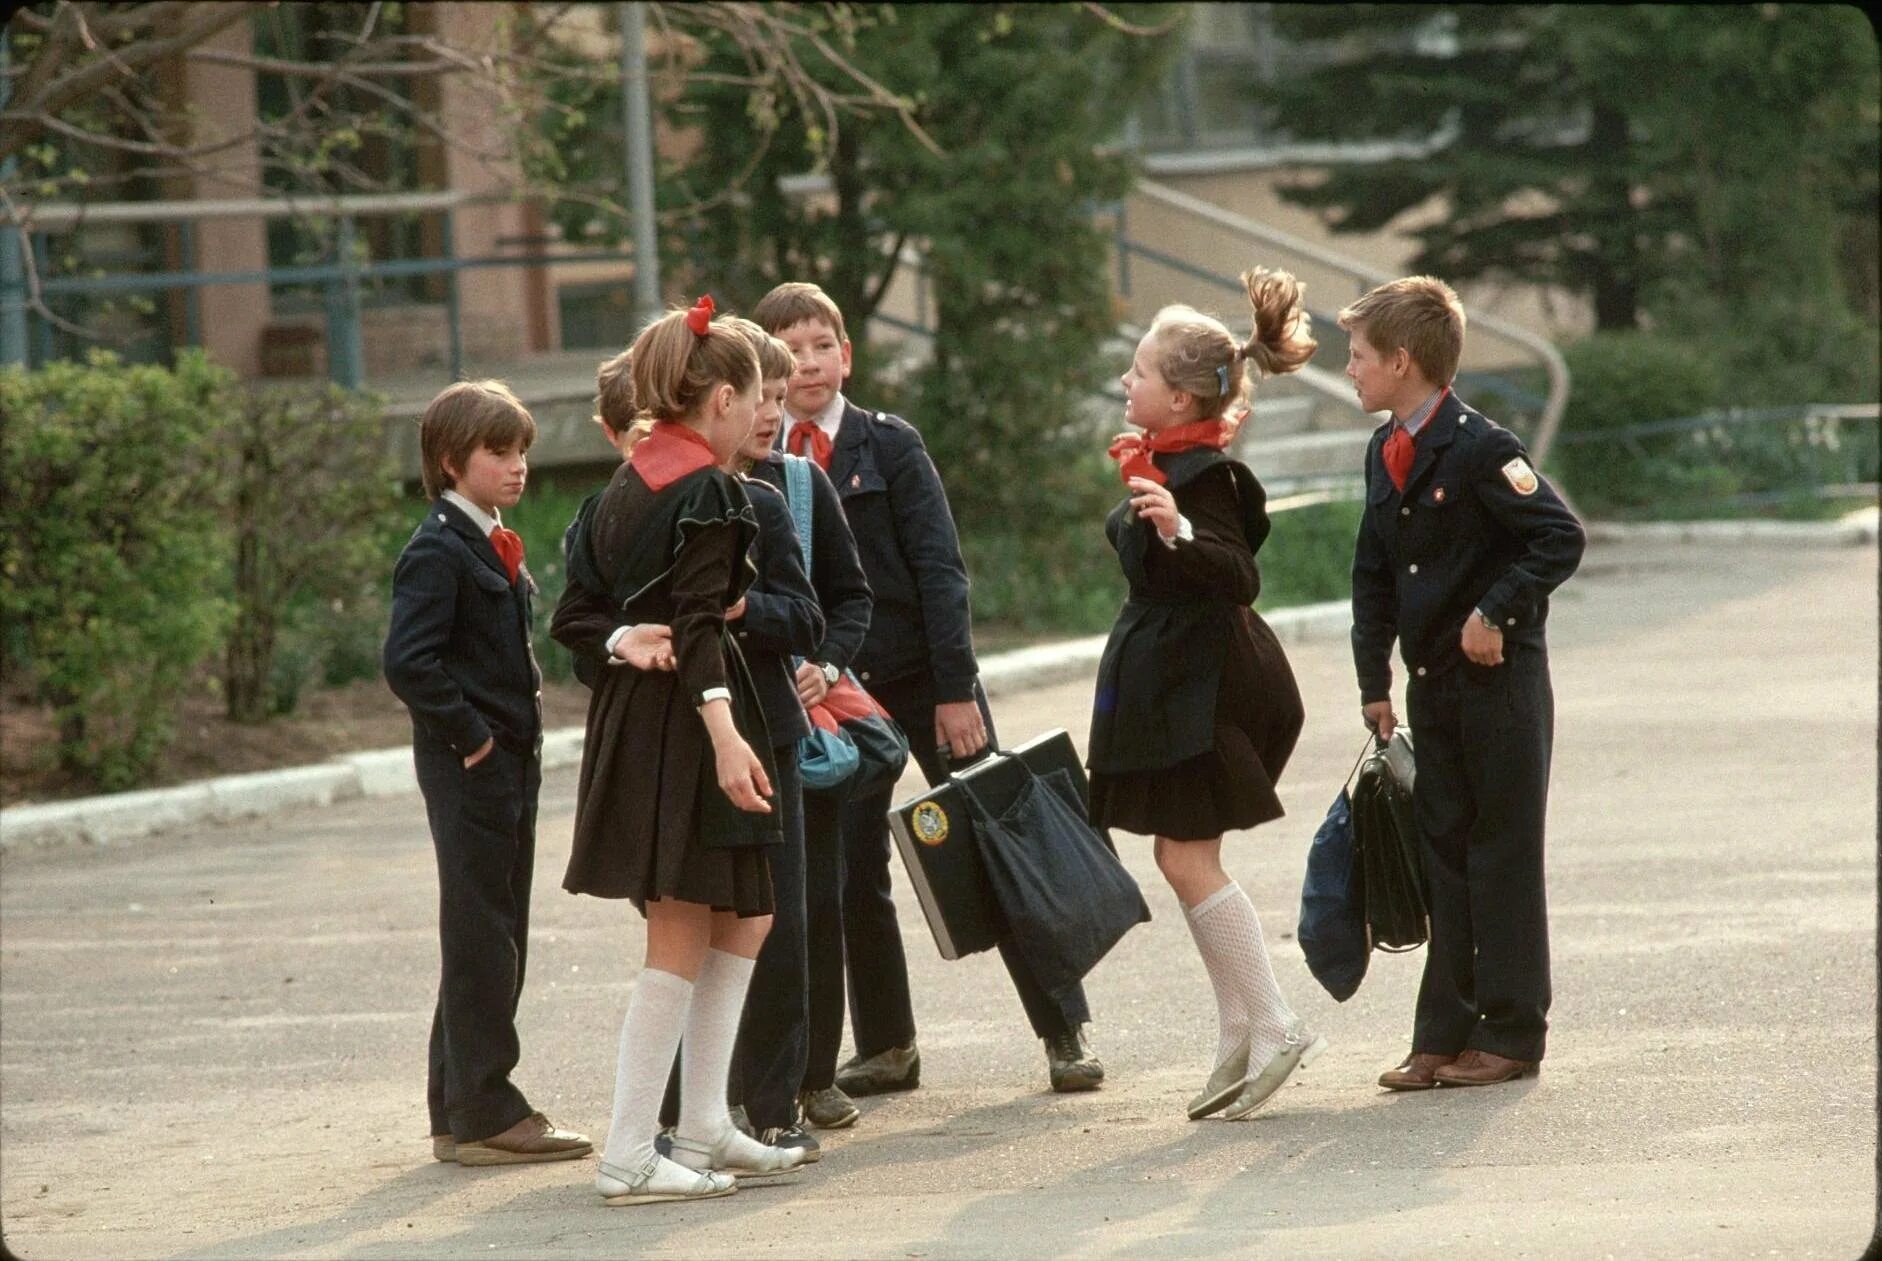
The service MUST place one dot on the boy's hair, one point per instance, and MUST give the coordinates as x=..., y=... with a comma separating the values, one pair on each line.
x=775, y=359
x=674, y=368
x=464, y=417
x=1420, y=314
x=1197, y=354
x=614, y=393
x=793, y=302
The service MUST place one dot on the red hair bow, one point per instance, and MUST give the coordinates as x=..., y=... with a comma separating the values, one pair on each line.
x=699, y=319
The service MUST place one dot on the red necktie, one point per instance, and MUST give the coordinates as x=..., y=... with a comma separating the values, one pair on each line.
x=1398, y=455
x=509, y=545
x=807, y=434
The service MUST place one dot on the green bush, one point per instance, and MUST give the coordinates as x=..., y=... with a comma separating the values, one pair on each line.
x=314, y=514
x=113, y=548
x=1624, y=379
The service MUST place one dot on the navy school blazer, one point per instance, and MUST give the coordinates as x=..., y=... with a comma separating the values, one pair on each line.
x=782, y=618
x=458, y=651
x=1476, y=527
x=898, y=515
x=836, y=571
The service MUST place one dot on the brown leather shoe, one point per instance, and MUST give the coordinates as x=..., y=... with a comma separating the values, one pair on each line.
x=1416, y=1072
x=530, y=1140
x=443, y=1147
x=1481, y=1068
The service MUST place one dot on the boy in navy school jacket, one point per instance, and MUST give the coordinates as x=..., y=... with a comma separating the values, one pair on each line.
x=458, y=654
x=1460, y=546
x=918, y=661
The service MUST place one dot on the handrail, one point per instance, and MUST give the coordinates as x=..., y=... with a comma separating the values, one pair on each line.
x=1556, y=367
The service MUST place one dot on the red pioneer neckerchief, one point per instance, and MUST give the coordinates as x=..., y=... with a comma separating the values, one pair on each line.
x=669, y=453
x=1132, y=451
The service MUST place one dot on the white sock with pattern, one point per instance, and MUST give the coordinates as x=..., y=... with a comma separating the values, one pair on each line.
x=650, y=1034
x=1247, y=997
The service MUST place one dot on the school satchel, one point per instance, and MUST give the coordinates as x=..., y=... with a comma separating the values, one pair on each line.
x=853, y=740
x=1391, y=872
x=1332, y=925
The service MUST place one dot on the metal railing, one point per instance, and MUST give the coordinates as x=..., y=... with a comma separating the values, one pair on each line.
x=341, y=277
x=1299, y=254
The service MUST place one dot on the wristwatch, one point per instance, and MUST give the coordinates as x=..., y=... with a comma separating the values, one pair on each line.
x=830, y=673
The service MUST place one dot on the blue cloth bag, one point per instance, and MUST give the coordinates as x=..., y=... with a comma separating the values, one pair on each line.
x=1332, y=930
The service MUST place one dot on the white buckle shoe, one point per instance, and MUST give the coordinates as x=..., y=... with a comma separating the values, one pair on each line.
x=753, y=1159
x=1302, y=1047
x=657, y=1180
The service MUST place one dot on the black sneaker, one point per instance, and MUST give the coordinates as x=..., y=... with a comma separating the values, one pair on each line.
x=792, y=1138
x=1071, y=1062
x=898, y=1068
x=828, y=1109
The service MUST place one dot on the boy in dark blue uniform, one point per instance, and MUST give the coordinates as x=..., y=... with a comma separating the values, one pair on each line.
x=918, y=661
x=458, y=654
x=1461, y=543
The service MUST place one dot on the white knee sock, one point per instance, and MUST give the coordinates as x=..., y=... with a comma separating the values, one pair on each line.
x=706, y=1053
x=1247, y=998
x=656, y=1013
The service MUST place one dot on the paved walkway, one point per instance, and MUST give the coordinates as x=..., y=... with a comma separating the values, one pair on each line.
x=212, y=1044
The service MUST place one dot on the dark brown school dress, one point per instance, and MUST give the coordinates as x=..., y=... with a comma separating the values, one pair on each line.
x=1196, y=709
x=650, y=818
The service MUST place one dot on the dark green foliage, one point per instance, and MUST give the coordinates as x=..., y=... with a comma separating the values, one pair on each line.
x=1624, y=380
x=114, y=546
x=1024, y=101
x=315, y=505
x=1678, y=161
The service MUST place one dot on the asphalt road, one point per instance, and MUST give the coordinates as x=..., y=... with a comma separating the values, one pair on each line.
x=212, y=1044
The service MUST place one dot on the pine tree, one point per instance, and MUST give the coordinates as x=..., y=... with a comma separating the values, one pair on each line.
x=1641, y=156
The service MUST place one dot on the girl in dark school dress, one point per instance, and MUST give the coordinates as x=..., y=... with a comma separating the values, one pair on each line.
x=1196, y=708
x=671, y=808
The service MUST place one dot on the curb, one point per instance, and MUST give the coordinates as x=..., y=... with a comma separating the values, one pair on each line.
x=1854, y=530
x=120, y=817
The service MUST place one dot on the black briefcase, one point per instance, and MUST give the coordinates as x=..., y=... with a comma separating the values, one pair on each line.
x=1386, y=852
x=934, y=832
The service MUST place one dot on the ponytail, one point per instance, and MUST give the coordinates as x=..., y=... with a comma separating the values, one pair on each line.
x=680, y=358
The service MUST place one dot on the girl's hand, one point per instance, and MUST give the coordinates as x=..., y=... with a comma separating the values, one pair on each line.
x=736, y=611
x=1154, y=504
x=742, y=775
x=647, y=646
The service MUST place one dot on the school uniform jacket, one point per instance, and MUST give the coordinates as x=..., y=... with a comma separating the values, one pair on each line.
x=904, y=532
x=1476, y=527
x=836, y=571
x=458, y=651
x=781, y=619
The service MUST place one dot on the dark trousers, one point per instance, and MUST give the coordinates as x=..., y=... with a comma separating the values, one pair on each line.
x=768, y=1059
x=823, y=917
x=483, y=829
x=881, y=1014
x=1482, y=735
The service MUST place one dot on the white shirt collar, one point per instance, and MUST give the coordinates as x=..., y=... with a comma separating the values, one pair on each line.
x=481, y=519
x=830, y=419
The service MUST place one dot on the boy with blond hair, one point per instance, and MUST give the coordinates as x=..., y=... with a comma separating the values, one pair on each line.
x=1460, y=545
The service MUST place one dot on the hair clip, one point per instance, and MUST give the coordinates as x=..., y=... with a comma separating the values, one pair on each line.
x=1222, y=378
x=699, y=319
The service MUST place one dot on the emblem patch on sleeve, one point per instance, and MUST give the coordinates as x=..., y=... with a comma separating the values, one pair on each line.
x=1520, y=476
